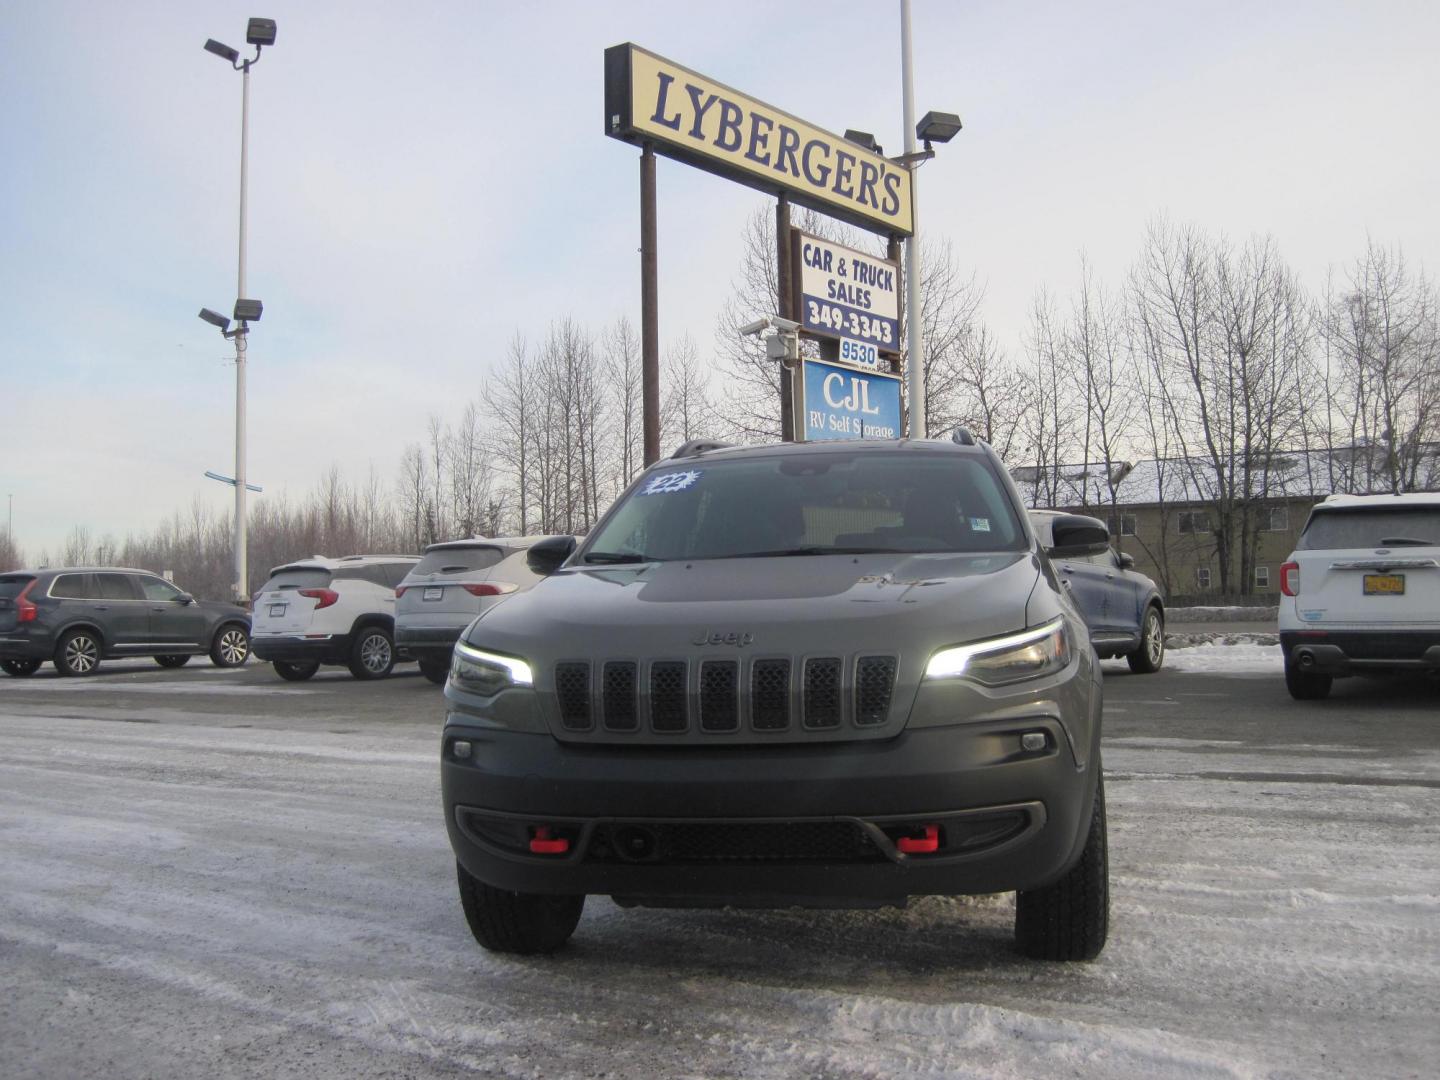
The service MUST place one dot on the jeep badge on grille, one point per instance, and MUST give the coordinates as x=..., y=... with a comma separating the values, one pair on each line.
x=718, y=637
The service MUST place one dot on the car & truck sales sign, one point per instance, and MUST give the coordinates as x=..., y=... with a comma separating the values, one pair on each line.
x=694, y=119
x=849, y=295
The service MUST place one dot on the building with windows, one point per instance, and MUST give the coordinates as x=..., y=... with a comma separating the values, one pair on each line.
x=1175, y=515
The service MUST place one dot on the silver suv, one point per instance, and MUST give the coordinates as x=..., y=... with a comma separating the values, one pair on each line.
x=452, y=584
x=1361, y=591
x=330, y=611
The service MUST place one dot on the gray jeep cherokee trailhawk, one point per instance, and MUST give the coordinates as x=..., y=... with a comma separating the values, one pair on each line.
x=828, y=675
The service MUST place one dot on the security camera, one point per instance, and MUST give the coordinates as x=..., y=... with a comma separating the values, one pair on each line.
x=756, y=327
x=785, y=326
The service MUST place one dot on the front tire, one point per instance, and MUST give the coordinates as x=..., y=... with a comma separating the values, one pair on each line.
x=1146, y=660
x=1070, y=919
x=1306, y=685
x=504, y=921
x=173, y=661
x=78, y=653
x=231, y=647
x=295, y=672
x=20, y=667
x=435, y=670
x=373, y=654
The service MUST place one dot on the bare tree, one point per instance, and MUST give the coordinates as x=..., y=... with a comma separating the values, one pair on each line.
x=1383, y=351
x=686, y=409
x=510, y=407
x=1227, y=335
x=621, y=365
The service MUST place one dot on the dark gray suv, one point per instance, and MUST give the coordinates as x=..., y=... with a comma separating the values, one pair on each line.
x=77, y=616
x=832, y=675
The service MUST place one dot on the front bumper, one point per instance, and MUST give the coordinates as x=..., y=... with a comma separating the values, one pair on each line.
x=1356, y=652
x=1005, y=818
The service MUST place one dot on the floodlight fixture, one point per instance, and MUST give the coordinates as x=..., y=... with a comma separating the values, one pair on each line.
x=260, y=32
x=248, y=310
x=938, y=127
x=214, y=318
x=863, y=138
x=220, y=49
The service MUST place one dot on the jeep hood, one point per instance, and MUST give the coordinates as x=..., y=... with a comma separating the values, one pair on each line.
x=905, y=603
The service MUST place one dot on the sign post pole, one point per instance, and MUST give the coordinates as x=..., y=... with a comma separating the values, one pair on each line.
x=649, y=310
x=783, y=305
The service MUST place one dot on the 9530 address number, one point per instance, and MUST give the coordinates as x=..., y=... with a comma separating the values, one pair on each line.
x=849, y=322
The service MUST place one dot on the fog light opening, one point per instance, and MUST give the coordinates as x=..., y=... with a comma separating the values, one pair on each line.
x=1032, y=742
x=462, y=749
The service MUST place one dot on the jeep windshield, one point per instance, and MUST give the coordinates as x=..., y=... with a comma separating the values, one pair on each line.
x=799, y=504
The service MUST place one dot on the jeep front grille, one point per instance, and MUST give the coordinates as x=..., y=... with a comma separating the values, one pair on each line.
x=667, y=696
x=721, y=697
x=572, y=690
x=822, y=693
x=618, y=696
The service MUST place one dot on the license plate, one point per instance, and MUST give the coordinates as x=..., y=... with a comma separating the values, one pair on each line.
x=434, y=592
x=1384, y=584
x=277, y=610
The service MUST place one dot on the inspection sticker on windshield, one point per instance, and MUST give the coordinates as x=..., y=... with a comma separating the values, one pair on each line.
x=671, y=482
x=979, y=524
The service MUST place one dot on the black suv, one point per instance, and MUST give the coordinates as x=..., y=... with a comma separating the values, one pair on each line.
x=826, y=674
x=77, y=616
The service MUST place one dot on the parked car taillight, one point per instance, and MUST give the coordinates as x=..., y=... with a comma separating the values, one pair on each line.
x=25, y=611
x=400, y=591
x=1290, y=579
x=322, y=597
x=490, y=588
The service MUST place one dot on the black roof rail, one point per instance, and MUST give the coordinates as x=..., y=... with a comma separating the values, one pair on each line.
x=962, y=437
x=699, y=446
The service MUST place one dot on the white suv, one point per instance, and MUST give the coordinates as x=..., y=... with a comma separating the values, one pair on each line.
x=1362, y=591
x=330, y=611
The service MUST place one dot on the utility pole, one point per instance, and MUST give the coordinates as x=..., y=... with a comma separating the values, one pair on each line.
x=915, y=323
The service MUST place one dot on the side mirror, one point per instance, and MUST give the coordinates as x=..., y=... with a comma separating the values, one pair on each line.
x=1127, y=561
x=546, y=556
x=185, y=598
x=1076, y=535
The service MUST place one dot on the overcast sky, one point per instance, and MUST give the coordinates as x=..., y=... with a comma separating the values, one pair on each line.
x=428, y=179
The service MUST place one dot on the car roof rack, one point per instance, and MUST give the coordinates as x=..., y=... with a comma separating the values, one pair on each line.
x=961, y=436
x=699, y=446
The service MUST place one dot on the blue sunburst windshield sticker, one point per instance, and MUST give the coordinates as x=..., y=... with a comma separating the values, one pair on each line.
x=668, y=483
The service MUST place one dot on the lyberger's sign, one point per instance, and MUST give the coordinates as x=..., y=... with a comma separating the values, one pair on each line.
x=706, y=124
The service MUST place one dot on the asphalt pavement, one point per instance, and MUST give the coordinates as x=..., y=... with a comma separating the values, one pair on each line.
x=222, y=874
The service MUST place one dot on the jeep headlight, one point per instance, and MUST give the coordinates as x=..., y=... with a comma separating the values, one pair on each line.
x=487, y=673
x=1013, y=658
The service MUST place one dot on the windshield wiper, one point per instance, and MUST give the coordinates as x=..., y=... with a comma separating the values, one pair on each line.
x=1407, y=540
x=819, y=550
x=616, y=557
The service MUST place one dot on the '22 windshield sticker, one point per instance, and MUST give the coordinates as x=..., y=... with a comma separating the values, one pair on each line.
x=671, y=482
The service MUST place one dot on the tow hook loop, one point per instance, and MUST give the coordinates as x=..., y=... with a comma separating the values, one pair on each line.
x=921, y=845
x=543, y=843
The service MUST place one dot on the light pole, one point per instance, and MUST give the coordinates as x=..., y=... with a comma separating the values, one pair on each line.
x=935, y=127
x=259, y=32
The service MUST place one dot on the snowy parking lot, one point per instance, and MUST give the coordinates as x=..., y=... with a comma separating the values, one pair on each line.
x=214, y=873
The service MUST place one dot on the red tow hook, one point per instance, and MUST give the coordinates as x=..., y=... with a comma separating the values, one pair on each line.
x=542, y=843
x=921, y=845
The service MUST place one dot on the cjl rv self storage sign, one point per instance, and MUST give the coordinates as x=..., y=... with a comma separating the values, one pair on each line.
x=842, y=403
x=847, y=294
